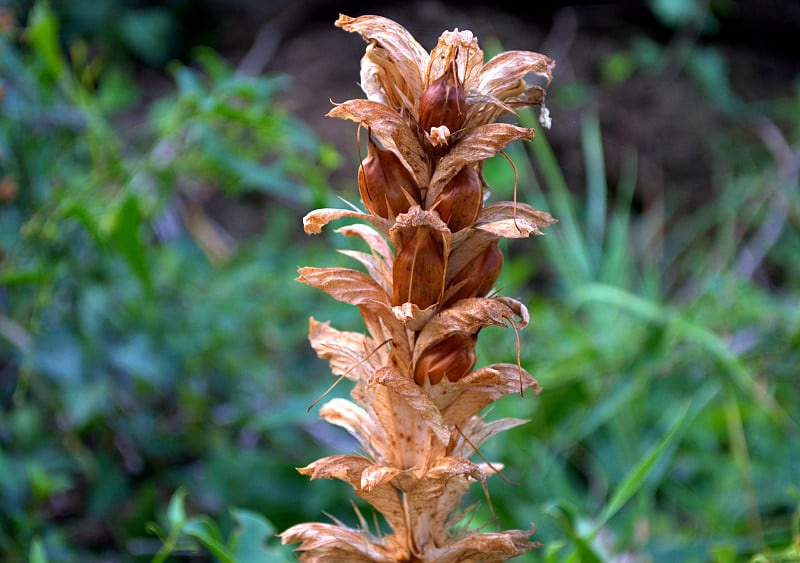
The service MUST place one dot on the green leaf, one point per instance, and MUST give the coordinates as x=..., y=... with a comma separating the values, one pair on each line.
x=206, y=531
x=176, y=511
x=125, y=236
x=249, y=541
x=43, y=34
x=148, y=33
x=37, y=552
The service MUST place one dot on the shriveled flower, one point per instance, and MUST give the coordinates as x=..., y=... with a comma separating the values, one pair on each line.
x=425, y=295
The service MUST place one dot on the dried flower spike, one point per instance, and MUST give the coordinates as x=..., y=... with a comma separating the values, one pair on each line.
x=425, y=297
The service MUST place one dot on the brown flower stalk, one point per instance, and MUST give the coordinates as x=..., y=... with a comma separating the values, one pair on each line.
x=431, y=121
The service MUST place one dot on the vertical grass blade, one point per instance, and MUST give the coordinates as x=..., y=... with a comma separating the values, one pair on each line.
x=638, y=475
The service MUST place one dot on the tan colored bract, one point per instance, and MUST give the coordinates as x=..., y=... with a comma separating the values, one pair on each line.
x=425, y=296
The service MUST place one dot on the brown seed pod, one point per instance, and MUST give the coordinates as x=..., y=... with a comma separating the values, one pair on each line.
x=477, y=277
x=418, y=272
x=443, y=102
x=461, y=199
x=387, y=187
x=454, y=357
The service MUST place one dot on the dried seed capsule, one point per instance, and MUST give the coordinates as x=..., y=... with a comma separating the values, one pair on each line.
x=386, y=185
x=454, y=357
x=443, y=102
x=418, y=271
x=478, y=276
x=461, y=199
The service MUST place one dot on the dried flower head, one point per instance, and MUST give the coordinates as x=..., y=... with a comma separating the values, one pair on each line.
x=425, y=295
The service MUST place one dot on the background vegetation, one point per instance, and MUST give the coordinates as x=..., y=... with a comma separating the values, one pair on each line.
x=154, y=371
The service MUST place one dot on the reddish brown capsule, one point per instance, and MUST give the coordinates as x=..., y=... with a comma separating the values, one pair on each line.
x=478, y=275
x=443, y=102
x=454, y=357
x=418, y=271
x=387, y=187
x=461, y=199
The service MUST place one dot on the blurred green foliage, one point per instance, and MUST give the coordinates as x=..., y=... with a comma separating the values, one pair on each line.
x=144, y=346
x=154, y=371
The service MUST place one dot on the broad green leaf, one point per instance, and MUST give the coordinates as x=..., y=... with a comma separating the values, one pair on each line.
x=249, y=541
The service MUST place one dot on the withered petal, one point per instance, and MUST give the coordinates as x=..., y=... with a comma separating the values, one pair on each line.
x=412, y=317
x=349, y=468
x=346, y=468
x=373, y=239
x=469, y=57
x=376, y=475
x=376, y=268
x=437, y=495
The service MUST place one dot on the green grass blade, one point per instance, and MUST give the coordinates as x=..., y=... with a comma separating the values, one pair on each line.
x=617, y=263
x=636, y=478
x=37, y=553
x=596, y=188
x=574, y=257
x=688, y=331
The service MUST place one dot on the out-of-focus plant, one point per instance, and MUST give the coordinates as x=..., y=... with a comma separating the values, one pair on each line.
x=668, y=363
x=252, y=540
x=134, y=352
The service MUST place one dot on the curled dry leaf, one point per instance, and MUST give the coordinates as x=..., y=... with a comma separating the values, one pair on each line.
x=315, y=220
